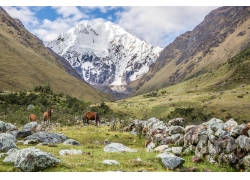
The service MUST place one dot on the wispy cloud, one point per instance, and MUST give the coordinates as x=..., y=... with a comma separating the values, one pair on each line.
x=159, y=25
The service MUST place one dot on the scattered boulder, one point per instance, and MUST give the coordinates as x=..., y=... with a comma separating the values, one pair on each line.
x=30, y=126
x=111, y=162
x=7, y=141
x=161, y=148
x=172, y=162
x=30, y=159
x=10, y=127
x=48, y=137
x=64, y=152
x=72, y=142
x=117, y=147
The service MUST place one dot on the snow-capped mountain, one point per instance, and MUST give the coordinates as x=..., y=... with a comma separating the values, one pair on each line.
x=105, y=53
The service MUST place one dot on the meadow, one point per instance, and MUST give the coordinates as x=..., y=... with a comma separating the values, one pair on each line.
x=92, y=139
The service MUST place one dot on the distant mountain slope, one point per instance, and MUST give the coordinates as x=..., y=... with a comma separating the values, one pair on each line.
x=25, y=62
x=223, y=33
x=104, y=54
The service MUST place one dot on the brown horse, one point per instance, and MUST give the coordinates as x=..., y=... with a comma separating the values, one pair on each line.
x=91, y=116
x=47, y=115
x=32, y=117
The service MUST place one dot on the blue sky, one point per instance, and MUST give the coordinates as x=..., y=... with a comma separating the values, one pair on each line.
x=159, y=24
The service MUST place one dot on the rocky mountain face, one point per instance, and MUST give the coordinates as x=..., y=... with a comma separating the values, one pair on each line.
x=66, y=65
x=223, y=33
x=105, y=55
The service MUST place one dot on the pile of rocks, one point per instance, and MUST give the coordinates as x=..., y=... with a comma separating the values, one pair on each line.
x=215, y=140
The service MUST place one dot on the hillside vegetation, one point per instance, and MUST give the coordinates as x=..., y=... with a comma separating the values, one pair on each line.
x=25, y=63
x=222, y=93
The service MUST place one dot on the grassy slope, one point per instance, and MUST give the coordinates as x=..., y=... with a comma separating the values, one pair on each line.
x=218, y=92
x=25, y=63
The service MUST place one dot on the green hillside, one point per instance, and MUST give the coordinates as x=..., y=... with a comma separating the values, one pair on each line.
x=222, y=93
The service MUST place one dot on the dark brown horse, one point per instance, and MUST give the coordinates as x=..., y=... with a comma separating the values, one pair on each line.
x=92, y=116
x=47, y=115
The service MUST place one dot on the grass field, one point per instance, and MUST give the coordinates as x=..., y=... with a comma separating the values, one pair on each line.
x=91, y=159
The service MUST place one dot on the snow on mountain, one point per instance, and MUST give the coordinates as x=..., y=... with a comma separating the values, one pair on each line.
x=105, y=53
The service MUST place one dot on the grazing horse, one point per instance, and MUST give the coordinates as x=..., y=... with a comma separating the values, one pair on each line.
x=92, y=116
x=32, y=117
x=47, y=115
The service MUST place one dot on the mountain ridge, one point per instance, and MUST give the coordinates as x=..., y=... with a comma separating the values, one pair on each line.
x=223, y=33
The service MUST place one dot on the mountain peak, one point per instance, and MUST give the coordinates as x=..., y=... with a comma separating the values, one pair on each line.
x=104, y=53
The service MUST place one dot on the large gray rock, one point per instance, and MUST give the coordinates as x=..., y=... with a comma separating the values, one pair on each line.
x=215, y=124
x=10, y=127
x=7, y=136
x=31, y=159
x=230, y=124
x=172, y=162
x=2, y=127
x=30, y=126
x=191, y=136
x=202, y=149
x=22, y=133
x=117, y=147
x=243, y=142
x=7, y=141
x=236, y=130
x=48, y=137
x=72, y=142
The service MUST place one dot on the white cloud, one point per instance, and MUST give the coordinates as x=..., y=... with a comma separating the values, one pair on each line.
x=70, y=12
x=159, y=25
x=24, y=14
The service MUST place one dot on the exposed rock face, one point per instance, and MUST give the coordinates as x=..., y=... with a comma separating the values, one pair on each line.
x=30, y=159
x=203, y=47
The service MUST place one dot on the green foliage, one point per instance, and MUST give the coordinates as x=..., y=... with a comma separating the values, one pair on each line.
x=103, y=110
x=191, y=115
x=13, y=106
x=151, y=94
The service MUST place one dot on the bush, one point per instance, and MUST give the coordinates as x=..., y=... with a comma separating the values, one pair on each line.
x=191, y=115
